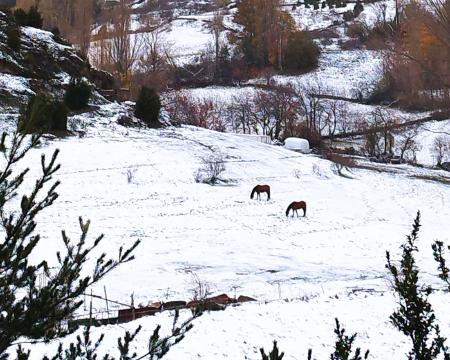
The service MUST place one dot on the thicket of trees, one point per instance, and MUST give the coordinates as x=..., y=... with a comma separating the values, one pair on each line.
x=73, y=19
x=271, y=38
x=416, y=69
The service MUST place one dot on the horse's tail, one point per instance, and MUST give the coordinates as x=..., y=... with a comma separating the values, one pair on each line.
x=253, y=192
x=288, y=209
x=268, y=194
x=304, y=210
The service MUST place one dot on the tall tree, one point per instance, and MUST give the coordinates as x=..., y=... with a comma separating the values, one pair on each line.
x=264, y=31
x=125, y=47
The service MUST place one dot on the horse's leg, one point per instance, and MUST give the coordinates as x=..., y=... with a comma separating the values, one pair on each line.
x=304, y=212
x=296, y=211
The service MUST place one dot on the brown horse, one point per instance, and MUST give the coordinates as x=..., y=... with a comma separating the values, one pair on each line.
x=258, y=189
x=294, y=206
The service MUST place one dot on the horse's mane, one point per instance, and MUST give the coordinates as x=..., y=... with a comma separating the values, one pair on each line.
x=287, y=210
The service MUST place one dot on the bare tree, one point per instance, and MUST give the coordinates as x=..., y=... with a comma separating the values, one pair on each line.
x=312, y=105
x=408, y=145
x=216, y=27
x=241, y=112
x=83, y=18
x=125, y=48
x=440, y=149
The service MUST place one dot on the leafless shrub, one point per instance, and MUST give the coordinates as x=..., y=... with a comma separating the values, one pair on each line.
x=200, y=289
x=184, y=109
x=316, y=170
x=212, y=166
x=130, y=175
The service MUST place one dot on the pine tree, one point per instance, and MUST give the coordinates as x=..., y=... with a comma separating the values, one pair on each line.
x=77, y=94
x=274, y=354
x=344, y=346
x=148, y=106
x=415, y=317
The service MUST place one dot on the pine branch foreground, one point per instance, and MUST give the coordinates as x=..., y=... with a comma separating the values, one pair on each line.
x=32, y=312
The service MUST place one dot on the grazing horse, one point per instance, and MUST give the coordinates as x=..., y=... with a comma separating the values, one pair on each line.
x=258, y=189
x=294, y=206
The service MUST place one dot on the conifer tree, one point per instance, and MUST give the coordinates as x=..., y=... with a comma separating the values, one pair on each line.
x=344, y=346
x=274, y=354
x=148, y=106
x=415, y=317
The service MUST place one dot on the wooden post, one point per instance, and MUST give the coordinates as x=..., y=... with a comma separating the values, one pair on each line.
x=106, y=300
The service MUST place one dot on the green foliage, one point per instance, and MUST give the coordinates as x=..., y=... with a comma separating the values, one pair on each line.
x=148, y=106
x=415, y=317
x=34, y=18
x=21, y=17
x=77, y=94
x=273, y=355
x=43, y=113
x=444, y=271
x=31, y=18
x=13, y=38
x=344, y=346
x=301, y=54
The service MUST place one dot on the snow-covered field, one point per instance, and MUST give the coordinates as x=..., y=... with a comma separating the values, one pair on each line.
x=140, y=184
x=309, y=270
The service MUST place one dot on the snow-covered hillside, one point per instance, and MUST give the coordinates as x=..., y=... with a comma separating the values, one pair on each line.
x=309, y=270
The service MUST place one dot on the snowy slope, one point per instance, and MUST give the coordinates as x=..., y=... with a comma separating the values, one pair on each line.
x=235, y=244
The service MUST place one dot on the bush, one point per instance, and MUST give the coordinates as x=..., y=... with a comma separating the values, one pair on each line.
x=301, y=54
x=34, y=18
x=13, y=38
x=77, y=94
x=43, y=113
x=31, y=18
x=148, y=106
x=358, y=8
x=357, y=30
x=209, y=173
x=21, y=17
x=348, y=15
x=340, y=162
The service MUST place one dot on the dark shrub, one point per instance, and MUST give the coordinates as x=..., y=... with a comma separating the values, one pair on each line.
x=348, y=15
x=59, y=118
x=13, y=38
x=358, y=9
x=148, y=106
x=301, y=54
x=35, y=18
x=43, y=113
x=55, y=31
x=31, y=18
x=77, y=94
x=21, y=17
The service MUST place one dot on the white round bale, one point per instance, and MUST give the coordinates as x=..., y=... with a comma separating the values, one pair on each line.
x=297, y=144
